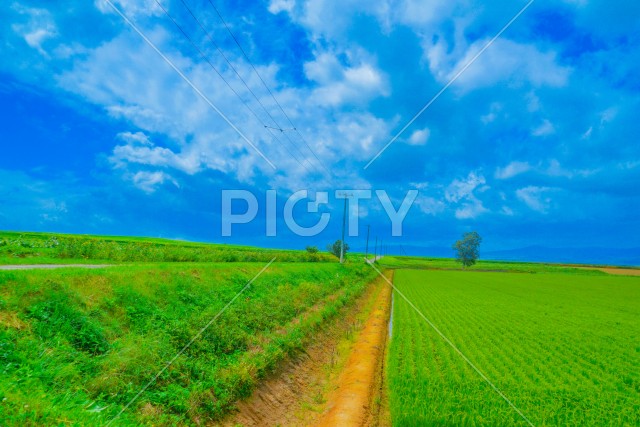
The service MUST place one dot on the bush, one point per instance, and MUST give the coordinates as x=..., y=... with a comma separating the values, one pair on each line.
x=312, y=249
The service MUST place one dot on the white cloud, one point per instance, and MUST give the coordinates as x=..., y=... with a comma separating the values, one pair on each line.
x=504, y=61
x=462, y=191
x=463, y=188
x=556, y=169
x=512, y=169
x=340, y=84
x=419, y=137
x=277, y=6
x=545, y=129
x=149, y=181
x=470, y=209
x=535, y=197
x=429, y=205
x=146, y=153
x=40, y=27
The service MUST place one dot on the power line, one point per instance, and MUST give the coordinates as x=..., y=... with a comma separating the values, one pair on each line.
x=188, y=81
x=265, y=85
x=221, y=52
x=206, y=58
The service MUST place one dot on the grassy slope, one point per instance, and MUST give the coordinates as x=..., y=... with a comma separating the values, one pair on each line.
x=481, y=265
x=77, y=345
x=32, y=248
x=563, y=347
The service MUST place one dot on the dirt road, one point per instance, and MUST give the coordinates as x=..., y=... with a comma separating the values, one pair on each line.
x=351, y=403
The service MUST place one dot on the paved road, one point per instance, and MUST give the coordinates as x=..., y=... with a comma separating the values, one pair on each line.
x=48, y=266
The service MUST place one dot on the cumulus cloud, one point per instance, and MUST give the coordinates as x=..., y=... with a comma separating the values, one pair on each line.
x=461, y=192
x=460, y=189
x=419, y=137
x=339, y=84
x=140, y=150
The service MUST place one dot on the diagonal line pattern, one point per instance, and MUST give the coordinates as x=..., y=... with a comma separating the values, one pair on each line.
x=196, y=336
x=188, y=81
x=451, y=81
x=452, y=345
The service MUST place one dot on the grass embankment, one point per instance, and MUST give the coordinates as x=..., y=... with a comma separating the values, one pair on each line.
x=482, y=266
x=77, y=345
x=32, y=248
x=564, y=348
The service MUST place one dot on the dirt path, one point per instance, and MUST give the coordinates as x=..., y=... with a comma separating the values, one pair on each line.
x=48, y=266
x=300, y=391
x=351, y=404
x=614, y=270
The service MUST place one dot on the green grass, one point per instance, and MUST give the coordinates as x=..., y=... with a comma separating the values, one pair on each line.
x=77, y=345
x=564, y=348
x=32, y=248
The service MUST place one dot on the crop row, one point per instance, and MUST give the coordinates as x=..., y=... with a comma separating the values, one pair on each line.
x=563, y=348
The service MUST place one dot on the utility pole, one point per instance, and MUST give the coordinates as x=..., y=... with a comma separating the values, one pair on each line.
x=366, y=251
x=344, y=222
x=375, y=254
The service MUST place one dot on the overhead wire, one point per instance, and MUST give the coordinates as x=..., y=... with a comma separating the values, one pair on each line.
x=206, y=58
x=187, y=80
x=244, y=53
x=246, y=85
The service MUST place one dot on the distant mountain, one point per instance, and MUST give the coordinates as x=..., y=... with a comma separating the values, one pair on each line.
x=603, y=256
x=594, y=255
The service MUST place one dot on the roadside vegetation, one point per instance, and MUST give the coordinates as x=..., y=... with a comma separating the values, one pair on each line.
x=562, y=346
x=77, y=345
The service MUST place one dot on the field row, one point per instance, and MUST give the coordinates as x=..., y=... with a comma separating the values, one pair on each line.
x=565, y=349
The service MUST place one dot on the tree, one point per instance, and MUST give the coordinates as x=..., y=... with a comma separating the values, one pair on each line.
x=312, y=249
x=467, y=248
x=336, y=247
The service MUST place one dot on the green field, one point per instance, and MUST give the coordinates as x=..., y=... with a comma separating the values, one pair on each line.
x=77, y=345
x=564, y=347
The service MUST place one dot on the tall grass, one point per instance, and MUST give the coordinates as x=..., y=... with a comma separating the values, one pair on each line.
x=41, y=247
x=76, y=345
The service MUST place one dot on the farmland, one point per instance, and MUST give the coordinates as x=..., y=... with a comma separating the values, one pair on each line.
x=77, y=345
x=563, y=346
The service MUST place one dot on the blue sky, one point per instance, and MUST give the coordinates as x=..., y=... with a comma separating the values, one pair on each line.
x=535, y=144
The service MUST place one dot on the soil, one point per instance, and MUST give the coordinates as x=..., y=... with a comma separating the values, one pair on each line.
x=313, y=384
x=359, y=391
x=615, y=270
